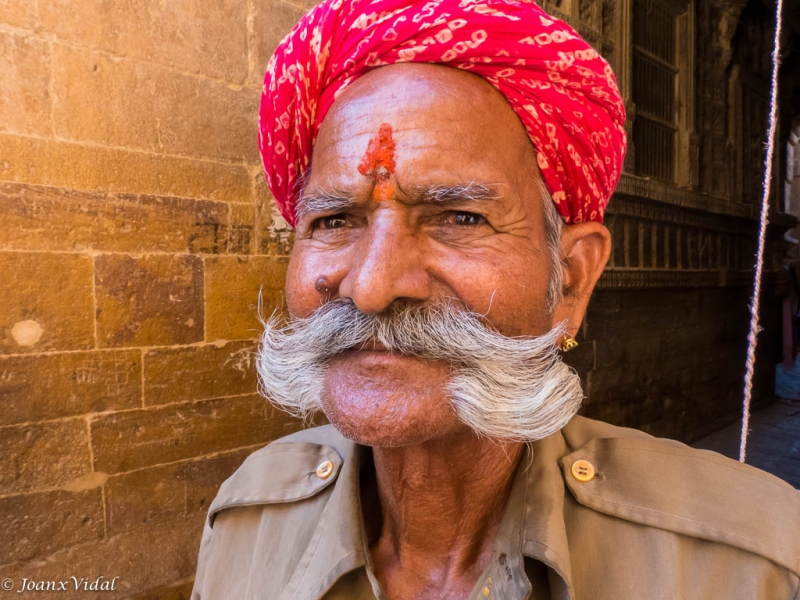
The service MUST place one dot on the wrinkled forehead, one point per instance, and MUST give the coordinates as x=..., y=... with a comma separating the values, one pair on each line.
x=444, y=123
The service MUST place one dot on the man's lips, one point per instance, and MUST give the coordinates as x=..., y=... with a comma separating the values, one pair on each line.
x=373, y=349
x=372, y=346
x=374, y=352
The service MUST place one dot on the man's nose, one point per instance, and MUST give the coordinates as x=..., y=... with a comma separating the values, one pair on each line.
x=386, y=266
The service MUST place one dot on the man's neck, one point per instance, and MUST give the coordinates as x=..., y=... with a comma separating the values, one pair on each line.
x=441, y=504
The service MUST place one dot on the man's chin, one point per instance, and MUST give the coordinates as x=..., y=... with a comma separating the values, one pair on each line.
x=366, y=436
x=388, y=401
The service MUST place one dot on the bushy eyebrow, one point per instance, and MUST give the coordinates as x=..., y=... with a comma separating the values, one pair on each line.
x=334, y=200
x=455, y=194
x=323, y=202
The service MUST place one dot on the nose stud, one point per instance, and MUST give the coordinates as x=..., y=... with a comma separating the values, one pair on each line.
x=323, y=287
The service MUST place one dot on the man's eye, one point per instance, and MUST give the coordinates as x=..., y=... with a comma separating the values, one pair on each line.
x=331, y=222
x=466, y=218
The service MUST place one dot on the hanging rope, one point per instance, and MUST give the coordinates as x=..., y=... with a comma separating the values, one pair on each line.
x=762, y=233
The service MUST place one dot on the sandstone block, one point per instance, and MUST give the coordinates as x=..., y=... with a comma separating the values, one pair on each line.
x=274, y=236
x=241, y=231
x=161, y=494
x=232, y=288
x=19, y=14
x=142, y=438
x=104, y=100
x=152, y=108
x=46, y=302
x=43, y=455
x=208, y=37
x=210, y=119
x=141, y=560
x=70, y=165
x=304, y=4
x=199, y=372
x=35, y=388
x=272, y=20
x=36, y=525
x=149, y=301
x=203, y=477
x=24, y=96
x=48, y=218
x=145, y=497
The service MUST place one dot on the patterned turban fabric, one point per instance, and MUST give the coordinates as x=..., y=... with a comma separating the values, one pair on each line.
x=560, y=87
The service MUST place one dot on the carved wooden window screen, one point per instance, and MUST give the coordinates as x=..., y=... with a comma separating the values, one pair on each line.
x=591, y=14
x=655, y=72
x=754, y=124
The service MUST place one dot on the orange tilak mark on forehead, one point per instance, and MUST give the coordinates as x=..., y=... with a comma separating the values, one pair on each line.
x=378, y=162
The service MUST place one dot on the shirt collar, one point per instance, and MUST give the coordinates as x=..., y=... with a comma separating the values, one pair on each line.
x=532, y=526
x=336, y=547
x=545, y=536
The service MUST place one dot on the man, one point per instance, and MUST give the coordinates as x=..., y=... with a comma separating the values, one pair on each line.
x=448, y=240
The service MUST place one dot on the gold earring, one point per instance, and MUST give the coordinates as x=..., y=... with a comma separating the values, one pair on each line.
x=568, y=343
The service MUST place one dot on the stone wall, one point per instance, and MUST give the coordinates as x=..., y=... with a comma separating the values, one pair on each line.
x=664, y=340
x=135, y=234
x=671, y=362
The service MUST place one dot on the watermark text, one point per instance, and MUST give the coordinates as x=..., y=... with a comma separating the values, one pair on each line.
x=72, y=584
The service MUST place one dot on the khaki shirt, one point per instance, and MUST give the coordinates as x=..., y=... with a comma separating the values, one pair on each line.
x=656, y=520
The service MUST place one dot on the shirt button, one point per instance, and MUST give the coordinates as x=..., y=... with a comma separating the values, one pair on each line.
x=324, y=469
x=583, y=470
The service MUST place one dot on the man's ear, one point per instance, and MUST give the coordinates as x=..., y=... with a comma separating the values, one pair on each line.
x=585, y=248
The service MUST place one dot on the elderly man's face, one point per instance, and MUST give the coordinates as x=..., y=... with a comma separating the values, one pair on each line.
x=430, y=234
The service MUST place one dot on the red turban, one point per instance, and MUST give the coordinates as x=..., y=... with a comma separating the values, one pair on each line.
x=561, y=88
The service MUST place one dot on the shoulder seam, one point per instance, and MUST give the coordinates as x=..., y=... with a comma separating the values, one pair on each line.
x=703, y=480
x=692, y=521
